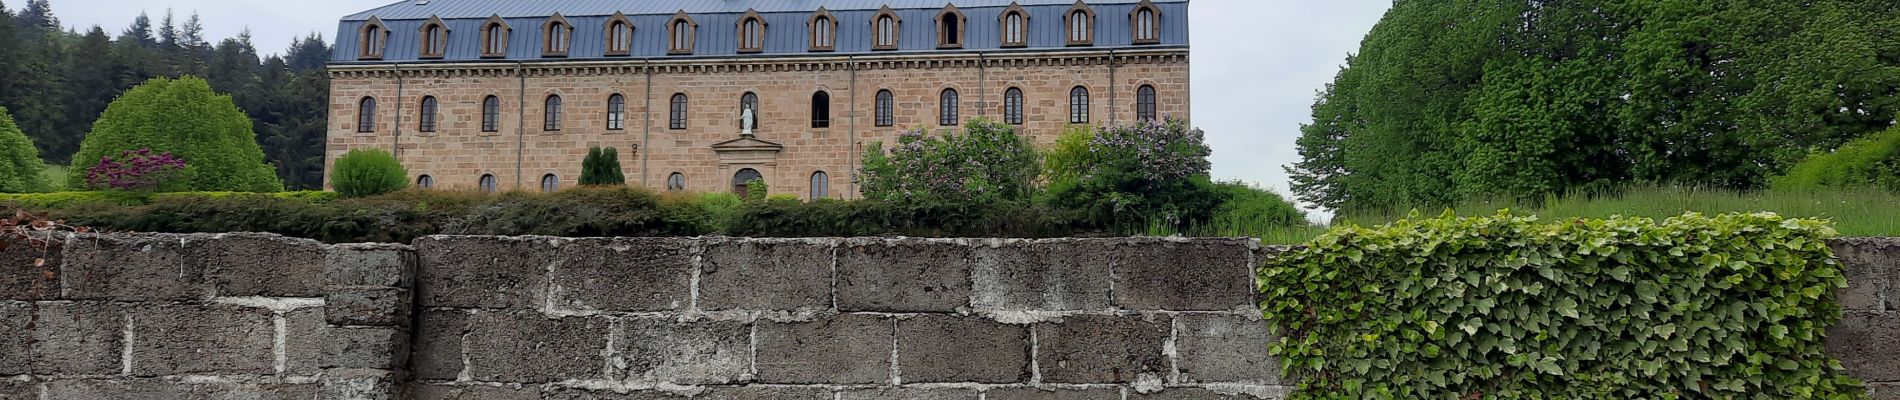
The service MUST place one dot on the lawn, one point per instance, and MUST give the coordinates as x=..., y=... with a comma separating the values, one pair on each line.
x=55, y=174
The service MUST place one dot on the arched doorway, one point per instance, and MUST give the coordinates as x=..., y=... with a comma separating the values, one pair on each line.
x=739, y=180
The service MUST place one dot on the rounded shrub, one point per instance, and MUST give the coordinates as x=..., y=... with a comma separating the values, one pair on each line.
x=185, y=118
x=368, y=172
x=20, y=165
x=1872, y=161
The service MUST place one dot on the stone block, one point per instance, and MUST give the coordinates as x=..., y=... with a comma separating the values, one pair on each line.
x=78, y=338
x=888, y=393
x=766, y=274
x=21, y=389
x=432, y=391
x=438, y=340
x=585, y=394
x=626, y=274
x=1865, y=344
x=1872, y=266
x=367, y=306
x=202, y=339
x=30, y=272
x=1883, y=391
x=530, y=348
x=767, y=393
x=257, y=264
x=365, y=348
x=1030, y=393
x=16, y=338
x=117, y=389
x=305, y=335
x=684, y=353
x=1195, y=275
x=942, y=348
x=483, y=272
x=388, y=265
x=905, y=275
x=129, y=267
x=1048, y=275
x=1257, y=393
x=1102, y=349
x=358, y=384
x=841, y=349
x=257, y=391
x=1224, y=348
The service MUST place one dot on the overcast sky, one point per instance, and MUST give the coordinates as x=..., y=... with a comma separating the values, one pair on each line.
x=1257, y=64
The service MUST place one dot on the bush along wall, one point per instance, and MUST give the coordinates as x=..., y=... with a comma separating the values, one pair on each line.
x=1732, y=306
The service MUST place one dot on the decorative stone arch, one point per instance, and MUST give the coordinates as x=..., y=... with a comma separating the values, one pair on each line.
x=756, y=44
x=557, y=36
x=822, y=31
x=1135, y=25
x=879, y=33
x=952, y=28
x=1021, y=32
x=1079, y=33
x=610, y=35
x=682, y=33
x=432, y=39
x=371, y=39
x=495, y=33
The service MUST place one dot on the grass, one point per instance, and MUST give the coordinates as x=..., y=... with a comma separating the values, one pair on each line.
x=56, y=174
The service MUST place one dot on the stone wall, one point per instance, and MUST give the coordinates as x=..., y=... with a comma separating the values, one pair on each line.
x=241, y=316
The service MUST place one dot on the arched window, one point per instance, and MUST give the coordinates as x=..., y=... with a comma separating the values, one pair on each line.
x=366, y=115
x=373, y=38
x=427, y=118
x=425, y=182
x=681, y=30
x=947, y=113
x=751, y=33
x=749, y=101
x=551, y=114
x=821, y=110
x=886, y=108
x=550, y=183
x=820, y=185
x=495, y=37
x=435, y=39
x=1079, y=26
x=557, y=34
x=491, y=114
x=1015, y=26
x=1079, y=105
x=1146, y=23
x=1145, y=103
x=740, y=179
x=488, y=184
x=884, y=30
x=950, y=28
x=616, y=112
x=676, y=182
x=824, y=31
x=1013, y=106
x=619, y=35
x=677, y=117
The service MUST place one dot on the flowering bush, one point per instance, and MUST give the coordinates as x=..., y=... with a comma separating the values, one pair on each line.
x=1150, y=172
x=134, y=170
x=987, y=163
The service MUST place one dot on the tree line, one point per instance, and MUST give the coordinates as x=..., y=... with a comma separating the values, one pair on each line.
x=56, y=82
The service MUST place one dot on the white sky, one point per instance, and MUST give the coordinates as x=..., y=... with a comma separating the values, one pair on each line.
x=1257, y=64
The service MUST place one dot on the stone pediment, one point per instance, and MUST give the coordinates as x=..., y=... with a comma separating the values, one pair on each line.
x=747, y=150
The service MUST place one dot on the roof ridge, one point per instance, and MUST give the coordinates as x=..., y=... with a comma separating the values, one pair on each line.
x=469, y=9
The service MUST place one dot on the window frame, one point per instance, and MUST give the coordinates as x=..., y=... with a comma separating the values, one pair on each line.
x=495, y=35
x=822, y=30
x=433, y=42
x=952, y=28
x=1022, y=29
x=1013, y=104
x=1079, y=100
x=949, y=107
x=677, y=109
x=820, y=185
x=885, y=108
x=676, y=182
x=1145, y=99
x=616, y=112
x=1154, y=23
x=611, y=31
x=550, y=183
x=551, y=109
x=491, y=114
x=751, y=38
x=557, y=37
x=372, y=39
x=366, y=115
x=426, y=116
x=739, y=186
x=425, y=182
x=1085, y=35
x=894, y=32
x=488, y=183
x=681, y=43
x=821, y=110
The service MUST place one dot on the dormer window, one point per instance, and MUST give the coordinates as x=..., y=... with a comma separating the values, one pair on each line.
x=495, y=37
x=374, y=37
x=950, y=24
x=1079, y=25
x=751, y=33
x=681, y=31
x=435, y=39
x=619, y=35
x=556, y=36
x=1015, y=26
x=1146, y=23
x=884, y=28
x=824, y=31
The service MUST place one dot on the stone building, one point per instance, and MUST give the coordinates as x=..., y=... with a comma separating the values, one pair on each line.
x=509, y=95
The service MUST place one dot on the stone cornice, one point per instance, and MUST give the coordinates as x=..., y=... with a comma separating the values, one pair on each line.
x=999, y=59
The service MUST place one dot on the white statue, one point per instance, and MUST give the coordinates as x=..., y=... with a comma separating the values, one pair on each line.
x=745, y=122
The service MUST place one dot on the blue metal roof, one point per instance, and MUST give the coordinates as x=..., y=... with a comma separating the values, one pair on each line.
x=717, y=34
x=456, y=9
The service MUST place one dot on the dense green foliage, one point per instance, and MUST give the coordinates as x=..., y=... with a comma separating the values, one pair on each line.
x=1872, y=161
x=368, y=172
x=21, y=170
x=757, y=190
x=987, y=163
x=1732, y=306
x=61, y=200
x=185, y=118
x=602, y=167
x=1450, y=100
x=1137, y=174
x=833, y=218
x=57, y=82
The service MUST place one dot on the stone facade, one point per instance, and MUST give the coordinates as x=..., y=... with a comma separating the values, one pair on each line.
x=787, y=150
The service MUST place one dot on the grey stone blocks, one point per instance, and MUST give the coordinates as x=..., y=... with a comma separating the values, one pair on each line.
x=842, y=349
x=766, y=274
x=940, y=348
x=1199, y=275
x=629, y=274
x=531, y=348
x=1102, y=349
x=483, y=272
x=907, y=275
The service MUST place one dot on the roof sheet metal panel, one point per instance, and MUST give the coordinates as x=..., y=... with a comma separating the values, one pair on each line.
x=447, y=9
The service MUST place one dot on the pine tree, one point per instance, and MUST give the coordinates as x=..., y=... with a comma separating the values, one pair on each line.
x=140, y=32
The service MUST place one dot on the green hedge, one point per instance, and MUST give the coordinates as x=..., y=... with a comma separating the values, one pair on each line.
x=833, y=218
x=44, y=201
x=1732, y=306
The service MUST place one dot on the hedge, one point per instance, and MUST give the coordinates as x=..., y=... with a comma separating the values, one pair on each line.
x=1732, y=306
x=59, y=200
